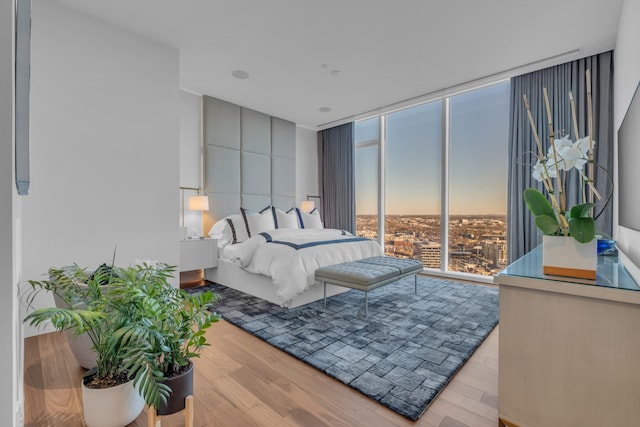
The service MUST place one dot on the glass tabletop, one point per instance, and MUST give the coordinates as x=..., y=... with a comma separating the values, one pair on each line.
x=610, y=272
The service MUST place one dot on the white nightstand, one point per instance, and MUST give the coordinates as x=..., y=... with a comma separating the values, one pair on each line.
x=198, y=254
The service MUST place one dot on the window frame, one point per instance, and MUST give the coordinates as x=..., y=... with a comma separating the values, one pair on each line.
x=445, y=178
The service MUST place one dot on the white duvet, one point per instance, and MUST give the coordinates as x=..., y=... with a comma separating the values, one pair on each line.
x=291, y=256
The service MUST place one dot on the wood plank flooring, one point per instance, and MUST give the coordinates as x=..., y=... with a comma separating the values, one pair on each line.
x=242, y=381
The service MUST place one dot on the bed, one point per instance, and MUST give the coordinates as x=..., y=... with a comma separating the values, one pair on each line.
x=277, y=261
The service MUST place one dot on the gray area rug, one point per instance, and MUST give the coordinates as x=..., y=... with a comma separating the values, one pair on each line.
x=402, y=355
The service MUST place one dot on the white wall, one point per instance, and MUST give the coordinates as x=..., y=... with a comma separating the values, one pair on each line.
x=10, y=351
x=306, y=164
x=627, y=75
x=191, y=155
x=104, y=145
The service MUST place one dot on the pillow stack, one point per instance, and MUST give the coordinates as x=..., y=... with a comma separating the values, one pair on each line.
x=237, y=228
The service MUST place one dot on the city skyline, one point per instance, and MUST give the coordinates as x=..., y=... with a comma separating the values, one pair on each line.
x=478, y=157
x=476, y=244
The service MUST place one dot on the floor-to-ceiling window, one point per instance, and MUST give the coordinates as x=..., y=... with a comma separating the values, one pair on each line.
x=431, y=181
x=479, y=130
x=412, y=183
x=367, y=139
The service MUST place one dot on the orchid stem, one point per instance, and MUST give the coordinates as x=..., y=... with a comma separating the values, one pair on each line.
x=546, y=179
x=563, y=201
x=590, y=118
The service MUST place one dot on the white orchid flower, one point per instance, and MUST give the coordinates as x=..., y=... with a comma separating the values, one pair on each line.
x=583, y=145
x=562, y=143
x=551, y=168
x=538, y=172
x=561, y=146
x=570, y=156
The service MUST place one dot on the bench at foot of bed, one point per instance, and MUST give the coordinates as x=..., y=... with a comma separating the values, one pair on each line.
x=368, y=273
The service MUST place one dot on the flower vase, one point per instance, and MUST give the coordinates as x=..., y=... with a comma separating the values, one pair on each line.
x=565, y=256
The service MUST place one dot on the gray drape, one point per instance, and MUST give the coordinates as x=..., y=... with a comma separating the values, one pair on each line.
x=522, y=234
x=336, y=172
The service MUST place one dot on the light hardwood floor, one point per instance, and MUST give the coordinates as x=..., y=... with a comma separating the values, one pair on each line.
x=242, y=381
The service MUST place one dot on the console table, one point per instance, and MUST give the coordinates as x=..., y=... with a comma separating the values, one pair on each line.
x=569, y=352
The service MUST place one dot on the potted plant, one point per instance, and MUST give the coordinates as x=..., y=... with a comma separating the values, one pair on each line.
x=109, y=396
x=569, y=248
x=171, y=322
x=113, y=308
x=68, y=285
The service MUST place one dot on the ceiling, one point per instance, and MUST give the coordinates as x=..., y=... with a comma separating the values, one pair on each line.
x=357, y=56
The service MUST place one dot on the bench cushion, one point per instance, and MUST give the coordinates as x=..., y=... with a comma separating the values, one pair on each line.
x=405, y=266
x=357, y=273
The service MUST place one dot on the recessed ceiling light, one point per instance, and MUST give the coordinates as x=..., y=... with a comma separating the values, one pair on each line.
x=240, y=74
x=324, y=109
x=336, y=73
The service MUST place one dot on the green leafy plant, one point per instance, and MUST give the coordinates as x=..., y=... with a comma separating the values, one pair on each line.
x=86, y=312
x=581, y=223
x=169, y=321
x=140, y=326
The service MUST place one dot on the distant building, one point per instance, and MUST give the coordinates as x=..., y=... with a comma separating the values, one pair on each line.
x=461, y=261
x=477, y=243
x=495, y=251
x=428, y=253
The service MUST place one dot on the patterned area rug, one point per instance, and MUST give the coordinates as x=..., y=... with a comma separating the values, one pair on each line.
x=402, y=355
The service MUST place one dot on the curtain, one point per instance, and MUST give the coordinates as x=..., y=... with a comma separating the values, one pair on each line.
x=522, y=233
x=336, y=171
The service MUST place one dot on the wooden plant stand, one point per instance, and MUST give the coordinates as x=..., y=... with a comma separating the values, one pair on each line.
x=154, y=420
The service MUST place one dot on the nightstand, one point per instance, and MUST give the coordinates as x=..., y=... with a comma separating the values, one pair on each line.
x=196, y=254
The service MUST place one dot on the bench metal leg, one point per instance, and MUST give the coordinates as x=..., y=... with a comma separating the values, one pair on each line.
x=324, y=301
x=366, y=303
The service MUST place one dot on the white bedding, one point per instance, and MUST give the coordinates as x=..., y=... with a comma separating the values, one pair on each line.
x=291, y=256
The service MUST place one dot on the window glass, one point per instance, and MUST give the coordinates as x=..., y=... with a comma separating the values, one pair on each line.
x=412, y=183
x=479, y=127
x=367, y=177
x=413, y=188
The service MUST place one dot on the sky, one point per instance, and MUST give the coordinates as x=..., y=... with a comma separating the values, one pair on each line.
x=478, y=157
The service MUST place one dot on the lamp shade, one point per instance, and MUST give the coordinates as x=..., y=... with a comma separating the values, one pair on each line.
x=307, y=205
x=199, y=203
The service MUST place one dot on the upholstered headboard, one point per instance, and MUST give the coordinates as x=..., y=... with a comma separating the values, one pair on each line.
x=249, y=160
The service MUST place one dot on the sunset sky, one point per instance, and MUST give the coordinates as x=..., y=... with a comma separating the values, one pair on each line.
x=478, y=156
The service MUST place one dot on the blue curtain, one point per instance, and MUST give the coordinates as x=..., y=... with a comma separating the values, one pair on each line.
x=336, y=159
x=522, y=234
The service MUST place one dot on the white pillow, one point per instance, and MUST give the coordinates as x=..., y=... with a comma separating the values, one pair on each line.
x=229, y=230
x=222, y=232
x=309, y=220
x=288, y=219
x=258, y=222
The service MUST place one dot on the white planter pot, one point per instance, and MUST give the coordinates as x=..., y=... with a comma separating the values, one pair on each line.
x=80, y=346
x=565, y=256
x=111, y=407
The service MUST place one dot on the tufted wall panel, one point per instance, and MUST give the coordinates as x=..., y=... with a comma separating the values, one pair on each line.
x=249, y=160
